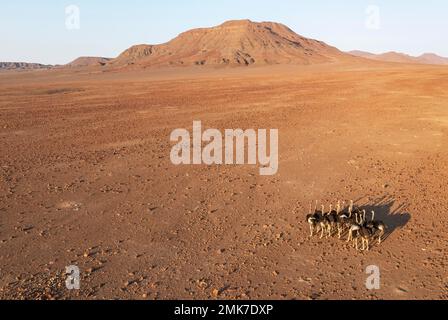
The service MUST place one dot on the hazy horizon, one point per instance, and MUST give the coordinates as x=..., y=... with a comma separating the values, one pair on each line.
x=37, y=32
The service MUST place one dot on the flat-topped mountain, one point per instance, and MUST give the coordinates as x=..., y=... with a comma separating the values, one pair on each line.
x=240, y=42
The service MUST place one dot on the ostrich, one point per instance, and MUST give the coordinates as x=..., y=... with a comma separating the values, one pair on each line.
x=324, y=222
x=333, y=219
x=354, y=209
x=352, y=223
x=364, y=232
x=376, y=226
x=341, y=218
x=313, y=219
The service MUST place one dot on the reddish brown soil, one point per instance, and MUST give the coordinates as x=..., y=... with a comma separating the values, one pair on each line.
x=86, y=180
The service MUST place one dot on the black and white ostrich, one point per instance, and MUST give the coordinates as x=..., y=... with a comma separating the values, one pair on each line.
x=332, y=220
x=313, y=219
x=324, y=223
x=377, y=227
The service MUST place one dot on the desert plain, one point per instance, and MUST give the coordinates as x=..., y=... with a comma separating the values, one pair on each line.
x=86, y=180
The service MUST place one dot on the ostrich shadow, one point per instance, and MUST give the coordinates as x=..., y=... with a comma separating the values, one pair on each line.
x=394, y=218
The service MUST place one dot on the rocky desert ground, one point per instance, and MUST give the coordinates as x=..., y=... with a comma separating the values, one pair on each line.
x=86, y=180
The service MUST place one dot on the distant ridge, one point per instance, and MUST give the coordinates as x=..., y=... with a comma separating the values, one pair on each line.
x=427, y=58
x=88, y=62
x=431, y=58
x=77, y=63
x=23, y=66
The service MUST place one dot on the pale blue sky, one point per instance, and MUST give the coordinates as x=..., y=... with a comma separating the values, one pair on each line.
x=35, y=31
